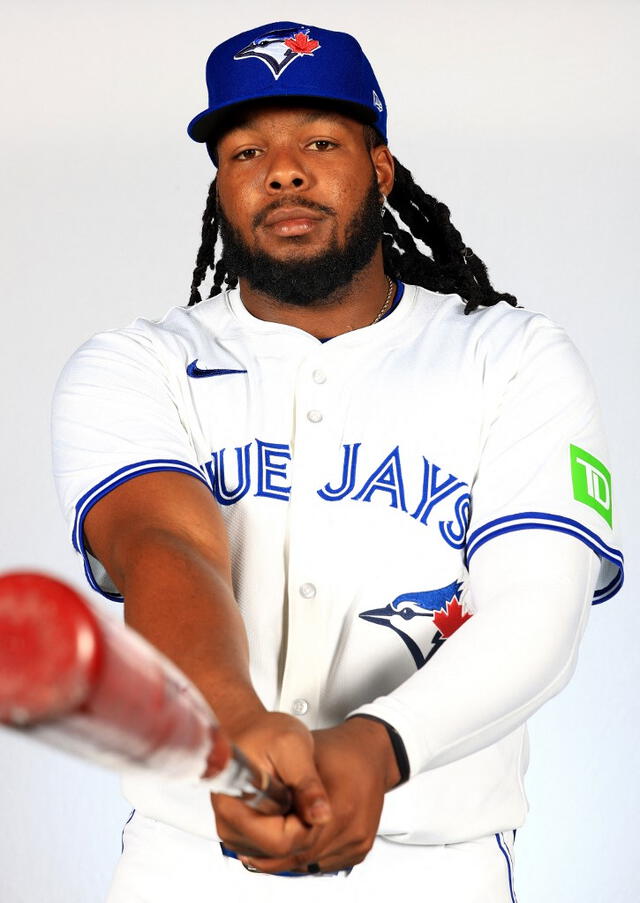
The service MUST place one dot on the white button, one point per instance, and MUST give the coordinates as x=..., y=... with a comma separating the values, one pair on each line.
x=314, y=416
x=319, y=376
x=300, y=707
x=307, y=590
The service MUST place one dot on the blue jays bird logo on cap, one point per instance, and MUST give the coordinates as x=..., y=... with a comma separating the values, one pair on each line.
x=407, y=613
x=279, y=48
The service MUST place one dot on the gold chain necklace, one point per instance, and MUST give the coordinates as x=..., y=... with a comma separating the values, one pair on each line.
x=387, y=302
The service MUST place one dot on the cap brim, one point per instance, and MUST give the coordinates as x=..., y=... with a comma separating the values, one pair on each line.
x=209, y=125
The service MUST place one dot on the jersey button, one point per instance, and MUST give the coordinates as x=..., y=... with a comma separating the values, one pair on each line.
x=319, y=376
x=300, y=707
x=308, y=591
x=314, y=416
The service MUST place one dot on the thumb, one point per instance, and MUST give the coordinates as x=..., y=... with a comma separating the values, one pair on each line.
x=310, y=799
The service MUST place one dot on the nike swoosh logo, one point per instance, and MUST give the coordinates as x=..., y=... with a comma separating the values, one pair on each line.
x=195, y=371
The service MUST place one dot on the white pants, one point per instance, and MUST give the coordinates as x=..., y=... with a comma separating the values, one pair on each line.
x=162, y=864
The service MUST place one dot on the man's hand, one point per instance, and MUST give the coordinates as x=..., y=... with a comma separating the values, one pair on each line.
x=281, y=745
x=357, y=765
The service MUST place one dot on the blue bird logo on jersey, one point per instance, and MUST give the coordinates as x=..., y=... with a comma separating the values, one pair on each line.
x=406, y=614
x=279, y=48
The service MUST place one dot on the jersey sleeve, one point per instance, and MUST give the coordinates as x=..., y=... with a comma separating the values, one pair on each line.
x=115, y=415
x=544, y=464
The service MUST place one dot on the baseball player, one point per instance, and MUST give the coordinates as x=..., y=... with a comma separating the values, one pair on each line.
x=359, y=496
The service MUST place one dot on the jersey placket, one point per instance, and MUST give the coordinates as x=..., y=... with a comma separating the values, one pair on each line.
x=307, y=622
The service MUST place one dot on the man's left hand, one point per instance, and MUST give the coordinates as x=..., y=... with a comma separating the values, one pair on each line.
x=357, y=765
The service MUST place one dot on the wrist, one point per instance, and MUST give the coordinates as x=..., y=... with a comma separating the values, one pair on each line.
x=386, y=741
x=397, y=761
x=236, y=710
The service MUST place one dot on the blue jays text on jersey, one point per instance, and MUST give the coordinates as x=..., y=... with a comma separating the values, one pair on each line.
x=263, y=467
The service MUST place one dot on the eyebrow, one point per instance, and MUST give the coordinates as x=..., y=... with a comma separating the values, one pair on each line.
x=313, y=115
x=244, y=120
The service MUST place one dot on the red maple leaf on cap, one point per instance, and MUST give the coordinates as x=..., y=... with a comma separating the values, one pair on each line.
x=300, y=43
x=448, y=620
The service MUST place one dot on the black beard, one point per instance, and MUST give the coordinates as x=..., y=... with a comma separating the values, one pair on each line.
x=307, y=280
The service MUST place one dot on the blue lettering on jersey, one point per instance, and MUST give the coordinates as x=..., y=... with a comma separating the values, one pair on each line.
x=433, y=492
x=462, y=510
x=385, y=478
x=349, y=466
x=216, y=471
x=272, y=481
x=271, y=470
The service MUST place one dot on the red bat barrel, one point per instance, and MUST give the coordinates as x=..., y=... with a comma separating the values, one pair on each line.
x=98, y=681
x=95, y=688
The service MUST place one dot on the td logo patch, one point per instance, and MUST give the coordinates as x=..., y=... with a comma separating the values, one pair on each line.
x=591, y=482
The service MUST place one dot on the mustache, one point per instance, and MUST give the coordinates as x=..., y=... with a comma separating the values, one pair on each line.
x=259, y=219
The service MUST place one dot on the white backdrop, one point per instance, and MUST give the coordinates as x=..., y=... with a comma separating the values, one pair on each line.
x=522, y=117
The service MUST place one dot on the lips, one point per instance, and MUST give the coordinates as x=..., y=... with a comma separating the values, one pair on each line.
x=291, y=214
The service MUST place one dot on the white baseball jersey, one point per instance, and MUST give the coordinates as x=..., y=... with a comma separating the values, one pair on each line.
x=358, y=479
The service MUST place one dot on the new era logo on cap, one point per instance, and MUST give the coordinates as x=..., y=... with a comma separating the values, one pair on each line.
x=279, y=48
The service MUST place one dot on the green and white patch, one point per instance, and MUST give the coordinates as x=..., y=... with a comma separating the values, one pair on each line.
x=591, y=482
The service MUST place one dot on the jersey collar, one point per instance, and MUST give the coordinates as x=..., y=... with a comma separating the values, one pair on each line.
x=381, y=331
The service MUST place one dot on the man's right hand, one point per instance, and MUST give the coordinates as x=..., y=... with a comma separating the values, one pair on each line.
x=282, y=746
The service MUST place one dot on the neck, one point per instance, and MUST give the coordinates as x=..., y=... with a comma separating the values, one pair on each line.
x=353, y=306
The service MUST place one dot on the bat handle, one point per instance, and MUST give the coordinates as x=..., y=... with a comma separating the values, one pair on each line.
x=261, y=791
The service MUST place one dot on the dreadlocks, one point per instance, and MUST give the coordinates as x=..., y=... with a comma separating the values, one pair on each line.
x=452, y=268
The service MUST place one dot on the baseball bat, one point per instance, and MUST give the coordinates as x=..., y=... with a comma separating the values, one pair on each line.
x=76, y=680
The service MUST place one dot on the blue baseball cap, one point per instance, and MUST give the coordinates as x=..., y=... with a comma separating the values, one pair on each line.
x=289, y=60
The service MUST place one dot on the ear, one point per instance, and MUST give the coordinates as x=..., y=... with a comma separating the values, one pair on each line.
x=382, y=160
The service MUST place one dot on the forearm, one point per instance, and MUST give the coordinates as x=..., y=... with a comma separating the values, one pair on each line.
x=182, y=602
x=516, y=652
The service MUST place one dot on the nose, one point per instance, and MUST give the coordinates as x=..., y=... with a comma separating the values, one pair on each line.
x=286, y=171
